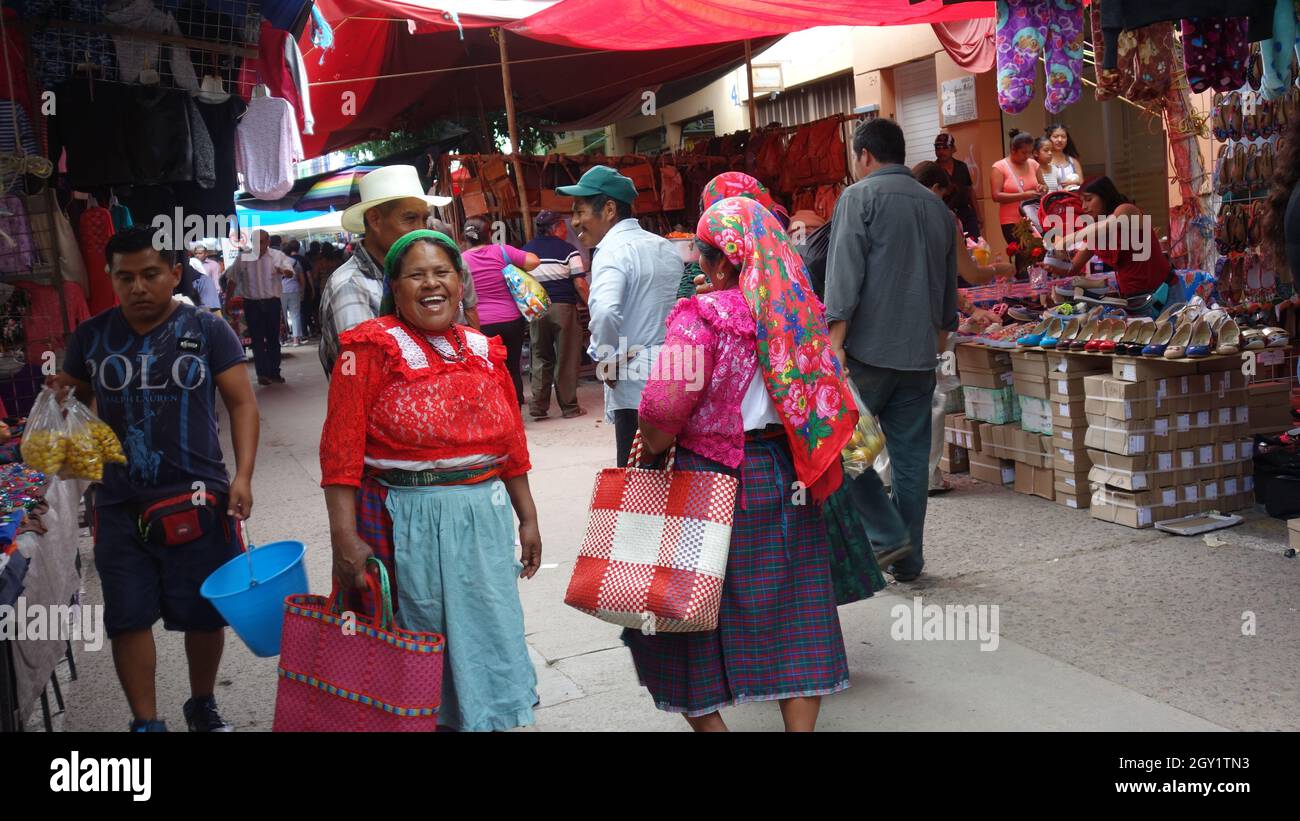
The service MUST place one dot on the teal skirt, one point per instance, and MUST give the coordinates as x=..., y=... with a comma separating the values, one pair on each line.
x=455, y=555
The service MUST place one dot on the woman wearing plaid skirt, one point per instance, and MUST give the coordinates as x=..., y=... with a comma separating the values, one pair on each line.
x=746, y=384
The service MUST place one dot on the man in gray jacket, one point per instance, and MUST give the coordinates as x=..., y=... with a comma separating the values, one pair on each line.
x=891, y=295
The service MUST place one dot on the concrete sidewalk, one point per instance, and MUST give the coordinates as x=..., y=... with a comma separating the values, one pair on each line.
x=1102, y=627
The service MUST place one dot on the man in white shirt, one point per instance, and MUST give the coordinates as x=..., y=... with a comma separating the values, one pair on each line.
x=634, y=279
x=258, y=281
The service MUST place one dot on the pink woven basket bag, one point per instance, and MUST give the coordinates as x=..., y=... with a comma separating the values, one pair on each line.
x=655, y=553
x=340, y=675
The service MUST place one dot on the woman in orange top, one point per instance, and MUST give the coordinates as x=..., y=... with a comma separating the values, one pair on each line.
x=1014, y=180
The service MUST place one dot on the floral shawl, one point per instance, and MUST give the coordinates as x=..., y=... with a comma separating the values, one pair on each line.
x=737, y=184
x=803, y=375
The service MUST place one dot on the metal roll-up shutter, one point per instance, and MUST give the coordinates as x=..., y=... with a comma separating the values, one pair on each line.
x=918, y=108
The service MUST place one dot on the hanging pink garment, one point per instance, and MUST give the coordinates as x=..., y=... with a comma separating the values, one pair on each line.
x=95, y=229
x=43, y=327
x=972, y=44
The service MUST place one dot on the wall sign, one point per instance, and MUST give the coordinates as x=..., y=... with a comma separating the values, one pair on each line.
x=958, y=101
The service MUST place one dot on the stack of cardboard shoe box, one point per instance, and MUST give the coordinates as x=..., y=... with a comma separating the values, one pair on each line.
x=1270, y=408
x=1023, y=458
x=960, y=439
x=986, y=381
x=1165, y=439
x=1070, y=461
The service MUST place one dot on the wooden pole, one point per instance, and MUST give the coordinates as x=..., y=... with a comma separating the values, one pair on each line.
x=514, y=135
x=749, y=83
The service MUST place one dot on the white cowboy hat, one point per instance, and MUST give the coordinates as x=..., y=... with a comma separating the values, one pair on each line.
x=392, y=182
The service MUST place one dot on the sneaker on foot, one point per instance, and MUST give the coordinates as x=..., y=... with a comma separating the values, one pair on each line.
x=202, y=717
x=148, y=725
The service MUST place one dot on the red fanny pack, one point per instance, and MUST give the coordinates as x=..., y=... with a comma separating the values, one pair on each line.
x=180, y=519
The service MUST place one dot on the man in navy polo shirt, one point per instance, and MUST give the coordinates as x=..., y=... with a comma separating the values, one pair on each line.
x=154, y=367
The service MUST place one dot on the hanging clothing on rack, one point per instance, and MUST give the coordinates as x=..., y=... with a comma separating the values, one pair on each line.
x=1128, y=15
x=96, y=227
x=266, y=147
x=1279, y=50
x=1028, y=30
x=71, y=261
x=285, y=74
x=121, y=216
x=158, y=138
x=201, y=148
x=17, y=252
x=134, y=55
x=222, y=122
x=1216, y=52
x=89, y=124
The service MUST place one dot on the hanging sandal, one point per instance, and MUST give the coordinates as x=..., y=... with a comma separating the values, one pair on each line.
x=1218, y=125
x=1234, y=116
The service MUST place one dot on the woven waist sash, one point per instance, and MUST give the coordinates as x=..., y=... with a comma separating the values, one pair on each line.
x=429, y=478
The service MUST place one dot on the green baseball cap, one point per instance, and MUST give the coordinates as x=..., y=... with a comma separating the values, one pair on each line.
x=601, y=179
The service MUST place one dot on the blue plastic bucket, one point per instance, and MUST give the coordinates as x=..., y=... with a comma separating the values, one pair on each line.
x=256, y=612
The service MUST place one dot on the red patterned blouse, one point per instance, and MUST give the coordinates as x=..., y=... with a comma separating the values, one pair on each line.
x=401, y=398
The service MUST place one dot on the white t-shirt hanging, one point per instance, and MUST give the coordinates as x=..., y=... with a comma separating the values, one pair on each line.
x=266, y=147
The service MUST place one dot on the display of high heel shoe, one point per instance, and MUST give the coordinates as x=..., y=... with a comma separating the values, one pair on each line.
x=1055, y=330
x=1198, y=345
x=1118, y=329
x=1143, y=337
x=1070, y=331
x=1177, y=346
x=1089, y=330
x=1160, y=340
x=1229, y=336
x=1031, y=339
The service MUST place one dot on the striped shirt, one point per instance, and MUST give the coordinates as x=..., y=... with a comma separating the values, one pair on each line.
x=561, y=264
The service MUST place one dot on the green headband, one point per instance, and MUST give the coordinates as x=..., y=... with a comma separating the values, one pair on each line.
x=394, y=255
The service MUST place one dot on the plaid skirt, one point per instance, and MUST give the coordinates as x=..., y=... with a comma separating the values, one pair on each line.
x=375, y=527
x=778, y=631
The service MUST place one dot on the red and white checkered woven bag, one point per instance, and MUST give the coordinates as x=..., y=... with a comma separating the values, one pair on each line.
x=655, y=553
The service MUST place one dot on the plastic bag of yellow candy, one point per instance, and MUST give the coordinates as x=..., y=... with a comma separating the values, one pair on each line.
x=106, y=443
x=83, y=459
x=45, y=439
x=867, y=442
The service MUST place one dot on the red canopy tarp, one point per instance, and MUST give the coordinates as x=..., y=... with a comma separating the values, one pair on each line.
x=638, y=25
x=385, y=74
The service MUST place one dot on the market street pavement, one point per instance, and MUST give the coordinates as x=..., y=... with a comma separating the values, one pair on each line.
x=1102, y=627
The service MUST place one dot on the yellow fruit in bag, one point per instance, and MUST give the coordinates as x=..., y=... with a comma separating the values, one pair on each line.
x=110, y=449
x=45, y=450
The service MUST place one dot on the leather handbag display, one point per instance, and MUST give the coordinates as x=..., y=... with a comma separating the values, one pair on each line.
x=654, y=555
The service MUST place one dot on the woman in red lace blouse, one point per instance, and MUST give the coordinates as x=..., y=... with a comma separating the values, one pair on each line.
x=422, y=444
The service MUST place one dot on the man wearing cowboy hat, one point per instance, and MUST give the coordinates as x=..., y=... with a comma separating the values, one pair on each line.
x=393, y=203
